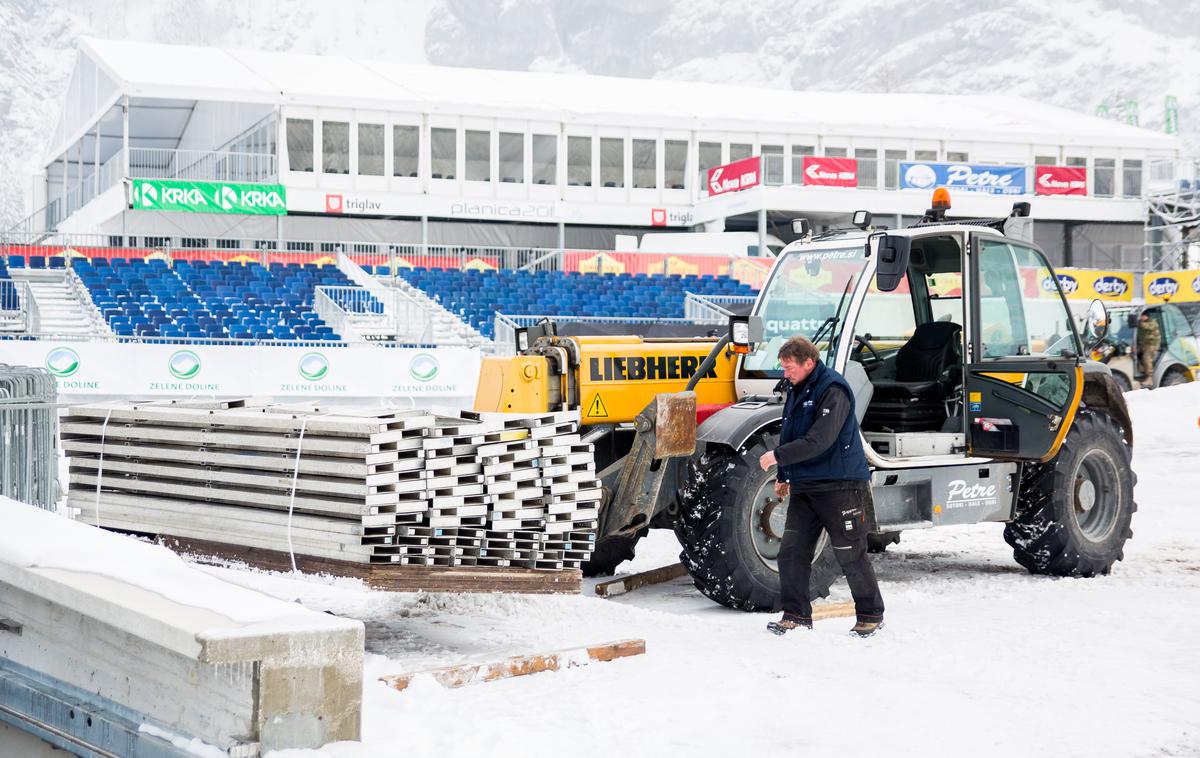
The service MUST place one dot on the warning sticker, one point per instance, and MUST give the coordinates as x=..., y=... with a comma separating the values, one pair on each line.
x=597, y=409
x=976, y=397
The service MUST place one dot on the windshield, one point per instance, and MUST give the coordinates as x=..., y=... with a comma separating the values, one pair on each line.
x=802, y=298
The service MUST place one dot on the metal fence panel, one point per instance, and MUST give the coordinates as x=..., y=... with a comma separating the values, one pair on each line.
x=29, y=436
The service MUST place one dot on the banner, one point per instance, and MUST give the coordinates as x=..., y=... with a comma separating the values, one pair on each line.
x=1172, y=286
x=1090, y=284
x=830, y=172
x=733, y=177
x=152, y=370
x=1060, y=180
x=209, y=197
x=992, y=180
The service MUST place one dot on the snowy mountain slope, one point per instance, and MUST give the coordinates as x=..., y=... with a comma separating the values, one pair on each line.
x=1072, y=54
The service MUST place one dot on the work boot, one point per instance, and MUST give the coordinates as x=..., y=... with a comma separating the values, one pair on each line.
x=788, y=623
x=866, y=628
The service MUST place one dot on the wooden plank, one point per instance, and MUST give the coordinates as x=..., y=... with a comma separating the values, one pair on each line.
x=616, y=587
x=393, y=578
x=833, y=610
x=521, y=665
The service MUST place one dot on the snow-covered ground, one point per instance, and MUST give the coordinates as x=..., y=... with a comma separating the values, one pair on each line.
x=979, y=658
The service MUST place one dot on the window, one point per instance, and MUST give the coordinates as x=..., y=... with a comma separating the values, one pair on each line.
x=738, y=151
x=1131, y=178
x=1045, y=160
x=612, y=162
x=710, y=157
x=772, y=164
x=891, y=167
x=579, y=161
x=300, y=144
x=228, y=244
x=1014, y=320
x=335, y=147
x=443, y=153
x=370, y=149
x=645, y=158
x=952, y=157
x=674, y=163
x=300, y=247
x=835, y=152
x=1077, y=161
x=512, y=158
x=545, y=159
x=406, y=143
x=193, y=242
x=925, y=155
x=1104, y=174
x=798, y=153
x=868, y=167
x=478, y=149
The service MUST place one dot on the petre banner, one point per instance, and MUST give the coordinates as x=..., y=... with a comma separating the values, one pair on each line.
x=992, y=180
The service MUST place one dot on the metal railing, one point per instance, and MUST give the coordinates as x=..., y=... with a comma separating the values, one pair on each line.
x=19, y=310
x=202, y=165
x=713, y=309
x=29, y=436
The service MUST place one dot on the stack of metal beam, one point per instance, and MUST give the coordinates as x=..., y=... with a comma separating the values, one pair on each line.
x=378, y=486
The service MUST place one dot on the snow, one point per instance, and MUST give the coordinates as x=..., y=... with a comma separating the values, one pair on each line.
x=191, y=746
x=35, y=538
x=979, y=657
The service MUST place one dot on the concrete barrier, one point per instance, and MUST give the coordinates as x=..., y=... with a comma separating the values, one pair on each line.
x=117, y=646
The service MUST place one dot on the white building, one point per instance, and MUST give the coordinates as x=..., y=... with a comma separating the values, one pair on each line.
x=385, y=152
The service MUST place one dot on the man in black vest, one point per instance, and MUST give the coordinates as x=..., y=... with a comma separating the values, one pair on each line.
x=823, y=468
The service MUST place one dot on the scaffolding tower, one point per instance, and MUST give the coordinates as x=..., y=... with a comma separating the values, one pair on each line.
x=1173, y=215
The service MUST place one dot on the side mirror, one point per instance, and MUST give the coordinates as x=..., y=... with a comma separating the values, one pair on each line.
x=801, y=227
x=893, y=261
x=1095, y=327
x=744, y=331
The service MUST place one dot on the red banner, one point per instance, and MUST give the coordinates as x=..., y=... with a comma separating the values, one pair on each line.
x=831, y=172
x=733, y=177
x=1060, y=180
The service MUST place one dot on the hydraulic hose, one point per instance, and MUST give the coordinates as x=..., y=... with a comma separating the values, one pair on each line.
x=709, y=361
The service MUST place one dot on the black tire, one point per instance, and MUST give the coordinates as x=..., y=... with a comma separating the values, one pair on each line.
x=610, y=553
x=1122, y=381
x=1173, y=378
x=718, y=502
x=878, y=543
x=1074, y=511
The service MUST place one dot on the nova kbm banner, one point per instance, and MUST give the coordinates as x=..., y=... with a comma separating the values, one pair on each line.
x=732, y=177
x=1172, y=286
x=830, y=172
x=209, y=197
x=1090, y=284
x=106, y=368
x=1060, y=180
x=993, y=180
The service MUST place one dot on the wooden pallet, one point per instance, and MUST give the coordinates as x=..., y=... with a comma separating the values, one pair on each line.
x=394, y=578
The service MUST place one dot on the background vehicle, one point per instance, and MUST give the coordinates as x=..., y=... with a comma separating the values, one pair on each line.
x=1178, y=358
x=975, y=400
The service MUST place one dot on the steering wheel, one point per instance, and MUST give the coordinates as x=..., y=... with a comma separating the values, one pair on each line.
x=864, y=342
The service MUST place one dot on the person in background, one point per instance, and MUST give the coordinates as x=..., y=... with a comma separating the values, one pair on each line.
x=1149, y=340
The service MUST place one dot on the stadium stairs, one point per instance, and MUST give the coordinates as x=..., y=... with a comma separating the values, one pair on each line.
x=419, y=318
x=64, y=306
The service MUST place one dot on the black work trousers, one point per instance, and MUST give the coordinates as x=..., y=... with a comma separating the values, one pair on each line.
x=840, y=509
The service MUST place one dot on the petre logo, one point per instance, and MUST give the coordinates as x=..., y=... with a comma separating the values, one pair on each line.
x=920, y=175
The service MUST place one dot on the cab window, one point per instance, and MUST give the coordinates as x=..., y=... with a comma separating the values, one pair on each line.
x=1021, y=309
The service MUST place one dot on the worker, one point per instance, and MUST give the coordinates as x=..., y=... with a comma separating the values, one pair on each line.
x=823, y=470
x=1149, y=339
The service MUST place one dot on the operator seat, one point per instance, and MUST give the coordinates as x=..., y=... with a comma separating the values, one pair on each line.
x=928, y=368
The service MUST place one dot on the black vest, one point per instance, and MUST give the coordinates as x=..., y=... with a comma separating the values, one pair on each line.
x=845, y=459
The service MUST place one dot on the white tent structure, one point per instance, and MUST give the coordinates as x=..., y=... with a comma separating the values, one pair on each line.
x=412, y=151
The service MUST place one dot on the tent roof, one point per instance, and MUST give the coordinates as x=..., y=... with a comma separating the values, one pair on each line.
x=149, y=70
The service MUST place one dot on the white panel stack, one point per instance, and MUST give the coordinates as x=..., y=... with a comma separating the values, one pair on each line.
x=400, y=487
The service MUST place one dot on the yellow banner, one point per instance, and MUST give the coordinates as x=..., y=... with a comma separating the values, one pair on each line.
x=1090, y=284
x=1172, y=286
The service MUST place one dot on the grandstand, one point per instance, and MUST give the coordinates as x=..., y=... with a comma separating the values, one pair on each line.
x=477, y=296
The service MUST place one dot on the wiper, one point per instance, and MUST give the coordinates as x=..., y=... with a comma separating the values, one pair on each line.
x=831, y=323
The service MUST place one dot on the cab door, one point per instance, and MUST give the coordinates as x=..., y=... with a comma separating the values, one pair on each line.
x=1024, y=377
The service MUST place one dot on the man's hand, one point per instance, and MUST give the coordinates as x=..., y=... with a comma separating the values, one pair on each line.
x=782, y=490
x=767, y=460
